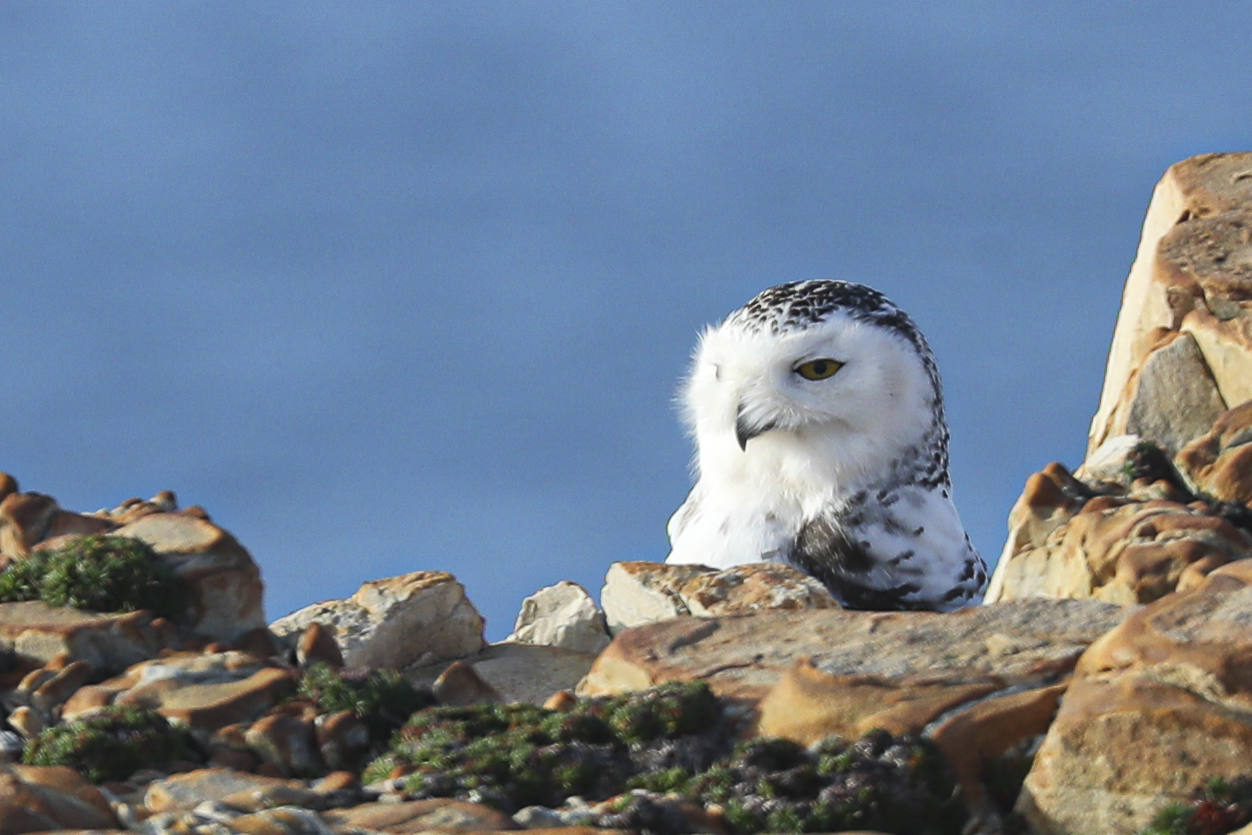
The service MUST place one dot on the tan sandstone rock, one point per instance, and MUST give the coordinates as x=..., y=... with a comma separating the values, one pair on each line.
x=1156, y=707
x=643, y=592
x=1131, y=542
x=41, y=798
x=1219, y=463
x=203, y=691
x=434, y=815
x=238, y=789
x=107, y=641
x=392, y=623
x=1191, y=277
x=225, y=582
x=979, y=681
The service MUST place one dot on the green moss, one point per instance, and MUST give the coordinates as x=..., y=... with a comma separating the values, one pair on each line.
x=517, y=755
x=382, y=699
x=673, y=739
x=112, y=744
x=880, y=782
x=98, y=573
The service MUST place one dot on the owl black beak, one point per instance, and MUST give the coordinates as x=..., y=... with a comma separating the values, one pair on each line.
x=746, y=430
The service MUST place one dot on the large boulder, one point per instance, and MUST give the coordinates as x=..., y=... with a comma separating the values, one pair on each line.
x=1157, y=707
x=223, y=580
x=225, y=583
x=981, y=682
x=1121, y=527
x=1192, y=278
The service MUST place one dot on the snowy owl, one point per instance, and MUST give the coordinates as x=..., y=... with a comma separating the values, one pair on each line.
x=821, y=442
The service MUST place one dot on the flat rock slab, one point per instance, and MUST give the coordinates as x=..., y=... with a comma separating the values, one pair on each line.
x=1156, y=707
x=43, y=798
x=238, y=789
x=107, y=641
x=979, y=682
x=203, y=691
x=438, y=814
x=744, y=656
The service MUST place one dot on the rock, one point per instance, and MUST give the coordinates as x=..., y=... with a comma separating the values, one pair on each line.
x=203, y=691
x=343, y=740
x=317, y=644
x=24, y=521
x=225, y=582
x=516, y=672
x=283, y=820
x=441, y=815
x=410, y=619
x=745, y=656
x=1171, y=396
x=107, y=641
x=39, y=798
x=563, y=615
x=1190, y=276
x=1132, y=547
x=243, y=791
x=26, y=721
x=1219, y=463
x=1156, y=707
x=643, y=592
x=460, y=684
x=8, y=484
x=979, y=681
x=58, y=687
x=288, y=744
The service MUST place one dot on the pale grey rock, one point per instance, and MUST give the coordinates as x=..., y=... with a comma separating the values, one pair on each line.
x=1108, y=461
x=396, y=622
x=562, y=615
x=636, y=593
x=516, y=672
x=1172, y=397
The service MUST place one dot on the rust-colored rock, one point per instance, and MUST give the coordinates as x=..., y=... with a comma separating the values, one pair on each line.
x=1191, y=275
x=108, y=641
x=41, y=798
x=1219, y=463
x=24, y=521
x=980, y=681
x=202, y=691
x=1132, y=546
x=225, y=582
x=1156, y=707
x=441, y=815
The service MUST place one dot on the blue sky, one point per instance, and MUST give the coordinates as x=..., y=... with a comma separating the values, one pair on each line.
x=399, y=286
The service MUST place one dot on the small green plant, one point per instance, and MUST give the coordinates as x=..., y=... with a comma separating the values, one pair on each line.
x=517, y=755
x=99, y=573
x=1217, y=807
x=880, y=782
x=112, y=744
x=382, y=699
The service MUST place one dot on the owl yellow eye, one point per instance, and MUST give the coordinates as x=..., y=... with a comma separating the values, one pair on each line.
x=818, y=369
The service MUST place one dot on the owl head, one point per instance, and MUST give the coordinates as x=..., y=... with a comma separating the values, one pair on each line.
x=824, y=375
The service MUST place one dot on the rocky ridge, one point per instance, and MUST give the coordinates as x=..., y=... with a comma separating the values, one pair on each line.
x=1105, y=683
